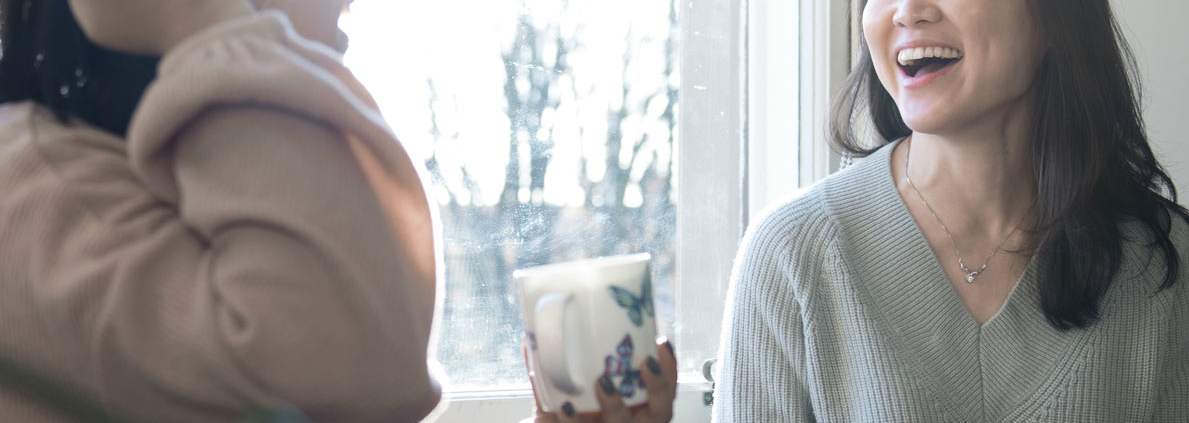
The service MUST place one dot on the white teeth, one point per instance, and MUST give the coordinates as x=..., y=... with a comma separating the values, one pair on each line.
x=909, y=55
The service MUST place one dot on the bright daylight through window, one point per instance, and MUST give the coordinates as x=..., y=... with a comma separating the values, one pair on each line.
x=549, y=128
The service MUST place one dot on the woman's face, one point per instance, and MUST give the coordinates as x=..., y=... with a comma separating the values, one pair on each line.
x=977, y=60
x=317, y=20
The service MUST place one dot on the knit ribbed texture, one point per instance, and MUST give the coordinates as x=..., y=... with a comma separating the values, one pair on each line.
x=838, y=311
x=233, y=255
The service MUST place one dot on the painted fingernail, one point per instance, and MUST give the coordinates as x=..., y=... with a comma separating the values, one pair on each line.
x=669, y=345
x=608, y=387
x=568, y=409
x=653, y=366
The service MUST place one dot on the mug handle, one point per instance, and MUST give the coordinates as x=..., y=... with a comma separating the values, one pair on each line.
x=557, y=325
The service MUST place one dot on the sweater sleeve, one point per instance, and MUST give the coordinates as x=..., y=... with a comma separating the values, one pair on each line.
x=761, y=372
x=298, y=267
x=1172, y=402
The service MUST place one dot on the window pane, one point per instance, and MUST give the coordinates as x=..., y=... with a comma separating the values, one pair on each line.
x=549, y=128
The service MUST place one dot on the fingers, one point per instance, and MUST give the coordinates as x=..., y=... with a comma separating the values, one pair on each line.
x=524, y=351
x=668, y=361
x=660, y=379
x=659, y=375
x=567, y=414
x=539, y=414
x=612, y=406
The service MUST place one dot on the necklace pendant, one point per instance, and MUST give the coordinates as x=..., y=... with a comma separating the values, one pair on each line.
x=970, y=277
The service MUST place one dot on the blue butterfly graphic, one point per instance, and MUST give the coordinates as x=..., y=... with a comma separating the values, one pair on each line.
x=620, y=365
x=636, y=306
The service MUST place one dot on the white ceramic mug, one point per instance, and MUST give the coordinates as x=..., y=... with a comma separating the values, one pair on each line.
x=584, y=319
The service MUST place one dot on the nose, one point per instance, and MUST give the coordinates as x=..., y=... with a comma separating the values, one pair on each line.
x=916, y=12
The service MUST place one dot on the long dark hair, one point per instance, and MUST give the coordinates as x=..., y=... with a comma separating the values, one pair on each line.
x=47, y=59
x=1094, y=168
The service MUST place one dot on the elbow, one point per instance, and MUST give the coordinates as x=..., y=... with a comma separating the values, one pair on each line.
x=396, y=391
x=337, y=368
x=394, y=401
x=339, y=345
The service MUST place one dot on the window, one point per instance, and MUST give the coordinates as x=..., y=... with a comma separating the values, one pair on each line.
x=562, y=129
x=549, y=129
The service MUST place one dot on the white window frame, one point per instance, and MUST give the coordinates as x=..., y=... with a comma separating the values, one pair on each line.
x=743, y=95
x=789, y=104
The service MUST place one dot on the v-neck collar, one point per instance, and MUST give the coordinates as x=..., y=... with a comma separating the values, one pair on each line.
x=976, y=372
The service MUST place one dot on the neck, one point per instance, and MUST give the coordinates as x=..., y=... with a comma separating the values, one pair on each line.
x=982, y=176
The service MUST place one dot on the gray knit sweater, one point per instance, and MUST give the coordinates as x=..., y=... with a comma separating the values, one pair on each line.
x=839, y=311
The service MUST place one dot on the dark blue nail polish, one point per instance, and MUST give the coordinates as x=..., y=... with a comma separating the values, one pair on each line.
x=568, y=409
x=653, y=366
x=608, y=387
x=669, y=345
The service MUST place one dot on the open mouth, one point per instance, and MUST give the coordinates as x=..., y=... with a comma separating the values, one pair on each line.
x=921, y=61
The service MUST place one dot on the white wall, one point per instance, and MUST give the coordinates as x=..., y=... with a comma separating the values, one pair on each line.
x=1157, y=32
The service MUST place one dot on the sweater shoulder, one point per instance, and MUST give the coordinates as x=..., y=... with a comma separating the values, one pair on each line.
x=791, y=244
x=786, y=246
x=1179, y=235
x=793, y=224
x=813, y=218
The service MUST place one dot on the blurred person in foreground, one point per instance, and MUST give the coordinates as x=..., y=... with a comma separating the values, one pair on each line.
x=203, y=216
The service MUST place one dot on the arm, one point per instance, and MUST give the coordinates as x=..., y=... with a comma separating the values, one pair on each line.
x=298, y=267
x=1171, y=402
x=272, y=285
x=761, y=364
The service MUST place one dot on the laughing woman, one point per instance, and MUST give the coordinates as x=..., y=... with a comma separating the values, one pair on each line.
x=1012, y=251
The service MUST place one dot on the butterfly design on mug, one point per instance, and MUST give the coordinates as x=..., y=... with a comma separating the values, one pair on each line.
x=636, y=306
x=620, y=365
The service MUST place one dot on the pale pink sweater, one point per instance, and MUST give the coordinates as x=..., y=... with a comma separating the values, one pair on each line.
x=259, y=239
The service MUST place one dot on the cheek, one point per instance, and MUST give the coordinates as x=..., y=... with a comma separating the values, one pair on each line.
x=314, y=19
x=305, y=10
x=885, y=70
x=873, y=29
x=1013, y=46
x=877, y=31
x=1011, y=65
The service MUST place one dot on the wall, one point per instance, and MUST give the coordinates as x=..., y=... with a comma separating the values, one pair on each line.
x=1158, y=35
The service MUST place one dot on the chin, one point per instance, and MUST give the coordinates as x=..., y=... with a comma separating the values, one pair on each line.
x=341, y=41
x=926, y=123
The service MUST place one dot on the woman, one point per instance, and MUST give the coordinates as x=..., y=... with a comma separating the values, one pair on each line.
x=1007, y=254
x=212, y=246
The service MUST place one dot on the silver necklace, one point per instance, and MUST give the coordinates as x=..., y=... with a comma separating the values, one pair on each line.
x=970, y=274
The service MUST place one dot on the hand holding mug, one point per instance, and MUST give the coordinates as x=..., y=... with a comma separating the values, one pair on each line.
x=660, y=381
x=590, y=327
